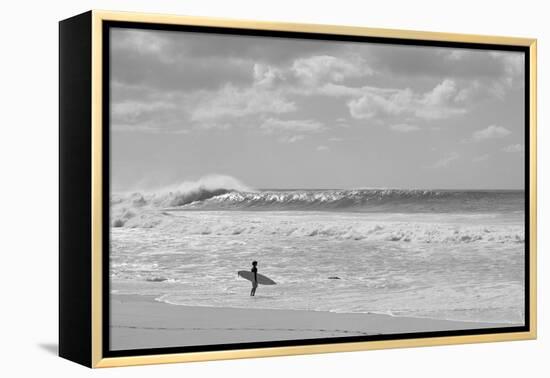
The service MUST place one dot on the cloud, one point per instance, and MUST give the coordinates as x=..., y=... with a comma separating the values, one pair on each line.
x=141, y=41
x=404, y=128
x=272, y=86
x=514, y=148
x=317, y=59
x=513, y=64
x=430, y=62
x=454, y=54
x=491, y=132
x=342, y=122
x=491, y=75
x=187, y=81
x=325, y=68
x=445, y=161
x=136, y=109
x=440, y=94
x=302, y=125
x=375, y=103
x=152, y=113
x=146, y=128
x=169, y=61
x=232, y=101
x=324, y=75
x=322, y=148
x=266, y=75
x=336, y=139
x=481, y=158
x=439, y=103
x=291, y=139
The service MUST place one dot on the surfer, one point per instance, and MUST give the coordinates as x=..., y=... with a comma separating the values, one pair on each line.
x=254, y=271
x=255, y=278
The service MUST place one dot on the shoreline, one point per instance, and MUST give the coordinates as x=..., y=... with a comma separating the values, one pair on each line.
x=141, y=322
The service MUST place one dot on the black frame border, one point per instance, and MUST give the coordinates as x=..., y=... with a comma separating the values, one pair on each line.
x=107, y=25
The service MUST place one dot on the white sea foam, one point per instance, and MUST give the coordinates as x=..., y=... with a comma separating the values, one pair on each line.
x=355, y=227
x=464, y=267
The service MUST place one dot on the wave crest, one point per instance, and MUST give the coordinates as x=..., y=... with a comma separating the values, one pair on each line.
x=364, y=200
x=125, y=206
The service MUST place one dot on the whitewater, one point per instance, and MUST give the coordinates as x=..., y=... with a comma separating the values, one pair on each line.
x=445, y=254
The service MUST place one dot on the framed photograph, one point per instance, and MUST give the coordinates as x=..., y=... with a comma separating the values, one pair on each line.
x=234, y=189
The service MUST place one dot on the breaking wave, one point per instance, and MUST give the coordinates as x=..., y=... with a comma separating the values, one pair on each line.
x=369, y=200
x=125, y=206
x=226, y=193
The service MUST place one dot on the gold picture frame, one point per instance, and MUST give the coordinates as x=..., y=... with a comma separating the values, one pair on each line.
x=82, y=319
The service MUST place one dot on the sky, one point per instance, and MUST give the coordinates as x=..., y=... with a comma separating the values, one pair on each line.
x=297, y=113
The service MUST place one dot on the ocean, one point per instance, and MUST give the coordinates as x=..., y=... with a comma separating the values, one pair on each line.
x=444, y=254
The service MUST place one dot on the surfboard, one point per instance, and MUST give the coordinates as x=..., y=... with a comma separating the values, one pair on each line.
x=262, y=280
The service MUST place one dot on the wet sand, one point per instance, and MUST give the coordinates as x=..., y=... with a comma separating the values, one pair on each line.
x=139, y=322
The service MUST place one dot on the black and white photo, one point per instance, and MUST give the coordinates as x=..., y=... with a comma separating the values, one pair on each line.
x=268, y=188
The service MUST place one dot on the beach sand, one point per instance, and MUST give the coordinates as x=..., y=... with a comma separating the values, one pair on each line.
x=139, y=322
